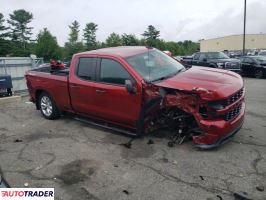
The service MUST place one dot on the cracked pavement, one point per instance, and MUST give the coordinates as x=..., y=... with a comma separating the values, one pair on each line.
x=84, y=162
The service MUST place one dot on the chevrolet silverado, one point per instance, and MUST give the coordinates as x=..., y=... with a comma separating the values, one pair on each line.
x=141, y=90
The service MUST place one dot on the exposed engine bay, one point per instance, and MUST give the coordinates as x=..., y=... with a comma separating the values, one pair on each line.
x=172, y=110
x=186, y=114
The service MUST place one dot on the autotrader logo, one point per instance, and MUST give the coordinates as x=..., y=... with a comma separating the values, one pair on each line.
x=27, y=193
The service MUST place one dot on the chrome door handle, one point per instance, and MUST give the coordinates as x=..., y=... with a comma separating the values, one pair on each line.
x=100, y=91
x=74, y=86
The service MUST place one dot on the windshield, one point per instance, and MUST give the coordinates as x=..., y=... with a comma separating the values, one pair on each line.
x=217, y=55
x=261, y=60
x=155, y=65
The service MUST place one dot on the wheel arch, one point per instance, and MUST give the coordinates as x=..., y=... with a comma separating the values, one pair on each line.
x=37, y=96
x=212, y=65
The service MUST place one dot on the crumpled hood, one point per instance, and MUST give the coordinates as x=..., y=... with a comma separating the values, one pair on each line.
x=210, y=83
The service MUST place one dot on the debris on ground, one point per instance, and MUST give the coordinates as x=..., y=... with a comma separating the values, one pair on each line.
x=3, y=182
x=242, y=196
x=170, y=144
x=26, y=184
x=150, y=142
x=38, y=168
x=115, y=165
x=17, y=140
x=220, y=198
x=202, y=178
x=164, y=160
x=260, y=188
x=126, y=192
x=128, y=144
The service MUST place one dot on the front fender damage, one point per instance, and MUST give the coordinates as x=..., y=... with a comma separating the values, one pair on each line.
x=181, y=112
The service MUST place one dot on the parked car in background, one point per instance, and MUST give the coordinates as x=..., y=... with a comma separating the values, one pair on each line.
x=262, y=53
x=184, y=60
x=214, y=60
x=178, y=58
x=254, y=66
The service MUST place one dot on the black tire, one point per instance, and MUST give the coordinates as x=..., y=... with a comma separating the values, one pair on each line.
x=259, y=73
x=9, y=92
x=47, y=106
x=212, y=66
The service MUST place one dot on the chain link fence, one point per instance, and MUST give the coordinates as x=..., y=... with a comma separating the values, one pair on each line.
x=16, y=67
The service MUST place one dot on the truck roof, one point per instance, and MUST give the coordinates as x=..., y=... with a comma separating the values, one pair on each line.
x=121, y=51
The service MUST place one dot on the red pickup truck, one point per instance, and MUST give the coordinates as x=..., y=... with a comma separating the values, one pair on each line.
x=140, y=90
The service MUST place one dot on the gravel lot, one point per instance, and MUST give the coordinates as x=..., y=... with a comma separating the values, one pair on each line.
x=84, y=162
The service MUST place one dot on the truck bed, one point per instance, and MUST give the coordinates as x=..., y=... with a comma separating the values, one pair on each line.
x=55, y=82
x=47, y=69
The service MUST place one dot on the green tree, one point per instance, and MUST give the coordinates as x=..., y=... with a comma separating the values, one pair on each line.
x=47, y=46
x=113, y=40
x=20, y=30
x=129, y=40
x=89, y=36
x=4, y=44
x=74, y=32
x=151, y=35
x=3, y=28
x=73, y=45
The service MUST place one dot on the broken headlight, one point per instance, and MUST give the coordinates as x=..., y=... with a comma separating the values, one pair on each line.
x=217, y=105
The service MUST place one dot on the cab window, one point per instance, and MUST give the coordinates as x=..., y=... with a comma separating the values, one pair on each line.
x=113, y=72
x=87, y=68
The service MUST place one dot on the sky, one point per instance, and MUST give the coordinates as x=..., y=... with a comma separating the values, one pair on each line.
x=177, y=20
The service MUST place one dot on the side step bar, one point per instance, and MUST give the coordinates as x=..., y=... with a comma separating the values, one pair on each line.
x=93, y=123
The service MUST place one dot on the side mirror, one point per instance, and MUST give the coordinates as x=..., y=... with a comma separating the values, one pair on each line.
x=130, y=87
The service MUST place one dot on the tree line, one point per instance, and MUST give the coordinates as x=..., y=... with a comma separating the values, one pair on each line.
x=16, y=39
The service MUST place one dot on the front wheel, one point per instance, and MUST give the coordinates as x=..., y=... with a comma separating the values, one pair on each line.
x=48, y=107
x=259, y=73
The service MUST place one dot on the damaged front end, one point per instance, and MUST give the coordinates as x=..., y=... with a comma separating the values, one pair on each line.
x=192, y=114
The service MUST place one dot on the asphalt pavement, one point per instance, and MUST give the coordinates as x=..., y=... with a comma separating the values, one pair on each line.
x=84, y=162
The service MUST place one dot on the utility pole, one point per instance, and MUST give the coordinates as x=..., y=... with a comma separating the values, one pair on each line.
x=244, y=35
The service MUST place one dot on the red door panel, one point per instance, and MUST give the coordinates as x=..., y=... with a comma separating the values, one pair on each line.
x=114, y=103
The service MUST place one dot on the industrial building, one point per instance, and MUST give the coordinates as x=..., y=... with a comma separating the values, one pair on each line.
x=233, y=43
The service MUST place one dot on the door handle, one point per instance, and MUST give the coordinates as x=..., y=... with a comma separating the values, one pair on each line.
x=100, y=91
x=74, y=86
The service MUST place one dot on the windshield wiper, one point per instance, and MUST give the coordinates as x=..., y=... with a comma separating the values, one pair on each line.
x=169, y=76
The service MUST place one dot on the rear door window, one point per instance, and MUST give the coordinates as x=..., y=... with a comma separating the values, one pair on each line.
x=87, y=68
x=202, y=57
x=113, y=72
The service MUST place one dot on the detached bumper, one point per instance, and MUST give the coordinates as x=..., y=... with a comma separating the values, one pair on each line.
x=217, y=132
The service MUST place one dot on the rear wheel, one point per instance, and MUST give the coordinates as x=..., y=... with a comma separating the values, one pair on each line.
x=47, y=106
x=259, y=73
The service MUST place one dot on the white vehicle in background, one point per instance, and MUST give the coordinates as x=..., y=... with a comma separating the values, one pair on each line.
x=262, y=53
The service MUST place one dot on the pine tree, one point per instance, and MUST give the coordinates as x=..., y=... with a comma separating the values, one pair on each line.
x=90, y=36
